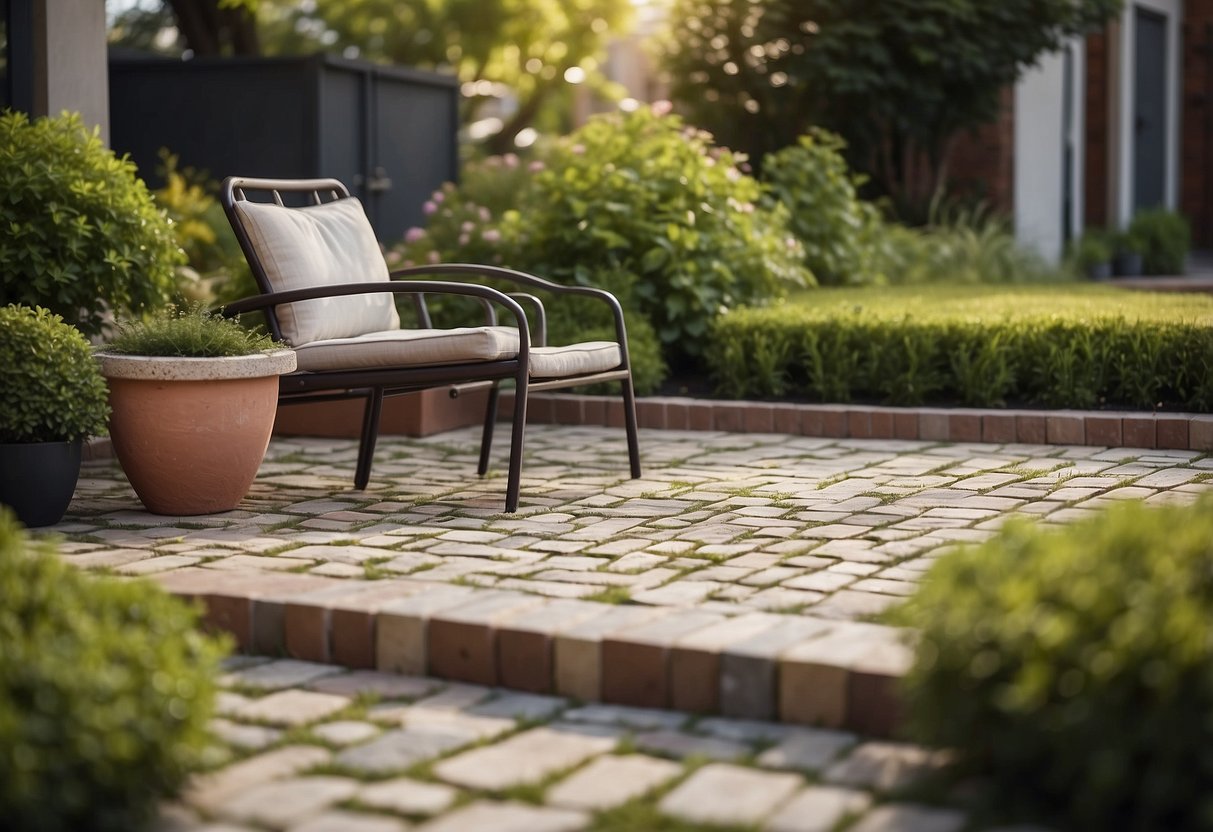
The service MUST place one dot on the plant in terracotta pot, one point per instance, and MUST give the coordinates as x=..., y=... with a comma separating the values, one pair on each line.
x=193, y=398
x=52, y=399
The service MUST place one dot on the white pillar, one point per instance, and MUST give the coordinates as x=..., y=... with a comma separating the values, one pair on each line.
x=70, y=68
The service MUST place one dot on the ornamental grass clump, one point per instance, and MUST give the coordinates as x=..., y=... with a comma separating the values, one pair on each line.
x=106, y=691
x=187, y=332
x=82, y=234
x=1074, y=667
x=52, y=389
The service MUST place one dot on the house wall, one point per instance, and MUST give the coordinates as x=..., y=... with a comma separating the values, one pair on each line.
x=1098, y=151
x=983, y=161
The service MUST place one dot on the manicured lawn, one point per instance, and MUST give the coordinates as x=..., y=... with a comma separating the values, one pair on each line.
x=1077, y=345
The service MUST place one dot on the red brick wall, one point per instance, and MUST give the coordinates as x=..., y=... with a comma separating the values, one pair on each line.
x=983, y=161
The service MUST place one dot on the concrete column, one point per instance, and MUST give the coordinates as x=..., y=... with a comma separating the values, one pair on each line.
x=70, y=69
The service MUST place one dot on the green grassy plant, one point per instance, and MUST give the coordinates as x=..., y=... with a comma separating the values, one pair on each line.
x=1074, y=668
x=1077, y=346
x=189, y=332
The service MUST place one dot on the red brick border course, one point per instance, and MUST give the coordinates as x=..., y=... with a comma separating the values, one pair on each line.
x=1182, y=431
x=797, y=669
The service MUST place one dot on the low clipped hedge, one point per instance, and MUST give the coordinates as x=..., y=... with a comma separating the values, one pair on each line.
x=1074, y=668
x=106, y=691
x=1075, y=346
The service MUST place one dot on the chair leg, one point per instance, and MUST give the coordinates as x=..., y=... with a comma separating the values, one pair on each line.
x=370, y=433
x=629, y=421
x=490, y=421
x=514, y=482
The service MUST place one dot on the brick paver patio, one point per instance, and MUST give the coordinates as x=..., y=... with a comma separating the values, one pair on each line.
x=732, y=582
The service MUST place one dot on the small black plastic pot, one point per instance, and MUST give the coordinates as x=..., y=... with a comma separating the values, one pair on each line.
x=1127, y=264
x=37, y=479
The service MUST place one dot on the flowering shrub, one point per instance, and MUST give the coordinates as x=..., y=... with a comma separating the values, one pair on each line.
x=634, y=203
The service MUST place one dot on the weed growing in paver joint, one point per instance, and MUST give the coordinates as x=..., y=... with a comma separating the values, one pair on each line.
x=834, y=480
x=611, y=595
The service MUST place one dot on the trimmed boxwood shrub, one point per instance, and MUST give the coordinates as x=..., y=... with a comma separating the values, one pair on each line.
x=106, y=690
x=53, y=389
x=981, y=346
x=1075, y=667
x=81, y=231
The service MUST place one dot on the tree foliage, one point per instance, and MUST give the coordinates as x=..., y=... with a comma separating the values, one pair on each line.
x=898, y=79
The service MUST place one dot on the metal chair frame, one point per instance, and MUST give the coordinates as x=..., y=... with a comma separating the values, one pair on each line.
x=374, y=384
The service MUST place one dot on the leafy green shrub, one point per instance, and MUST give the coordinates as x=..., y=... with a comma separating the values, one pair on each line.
x=836, y=227
x=82, y=235
x=1093, y=248
x=190, y=332
x=982, y=346
x=634, y=203
x=1163, y=239
x=1076, y=667
x=641, y=193
x=106, y=690
x=53, y=389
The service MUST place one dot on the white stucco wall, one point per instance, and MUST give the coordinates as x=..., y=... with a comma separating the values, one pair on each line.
x=1040, y=156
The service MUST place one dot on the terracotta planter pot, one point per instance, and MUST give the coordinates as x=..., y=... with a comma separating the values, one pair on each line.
x=190, y=433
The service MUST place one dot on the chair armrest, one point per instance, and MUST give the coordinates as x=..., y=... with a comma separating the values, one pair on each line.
x=541, y=316
x=524, y=279
x=436, y=287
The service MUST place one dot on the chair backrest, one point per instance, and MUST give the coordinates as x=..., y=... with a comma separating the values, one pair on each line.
x=325, y=243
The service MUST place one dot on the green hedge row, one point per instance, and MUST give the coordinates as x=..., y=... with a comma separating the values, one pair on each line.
x=979, y=346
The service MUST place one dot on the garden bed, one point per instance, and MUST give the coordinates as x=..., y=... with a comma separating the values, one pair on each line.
x=1080, y=346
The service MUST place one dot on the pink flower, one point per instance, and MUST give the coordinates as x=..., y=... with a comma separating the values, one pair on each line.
x=577, y=150
x=438, y=196
x=467, y=226
x=492, y=236
x=430, y=207
x=432, y=257
x=414, y=234
x=484, y=214
x=511, y=160
x=536, y=166
x=464, y=239
x=392, y=257
x=662, y=108
x=407, y=264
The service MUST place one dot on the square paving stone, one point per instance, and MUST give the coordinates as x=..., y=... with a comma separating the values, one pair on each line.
x=211, y=791
x=894, y=817
x=288, y=802
x=726, y=794
x=336, y=820
x=408, y=797
x=682, y=745
x=384, y=685
x=248, y=737
x=611, y=781
x=818, y=809
x=885, y=766
x=280, y=674
x=398, y=750
x=488, y=816
x=809, y=749
x=528, y=757
x=293, y=707
x=345, y=732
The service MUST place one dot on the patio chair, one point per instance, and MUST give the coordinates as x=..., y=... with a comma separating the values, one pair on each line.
x=326, y=291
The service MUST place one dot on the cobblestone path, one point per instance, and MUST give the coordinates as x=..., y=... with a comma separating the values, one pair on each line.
x=728, y=525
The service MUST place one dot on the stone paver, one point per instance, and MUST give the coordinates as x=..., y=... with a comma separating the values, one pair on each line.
x=818, y=809
x=527, y=758
x=610, y=781
x=507, y=817
x=721, y=793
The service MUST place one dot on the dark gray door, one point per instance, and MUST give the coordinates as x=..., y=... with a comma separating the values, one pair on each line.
x=1150, y=110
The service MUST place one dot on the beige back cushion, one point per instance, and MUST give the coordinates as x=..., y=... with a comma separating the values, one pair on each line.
x=321, y=245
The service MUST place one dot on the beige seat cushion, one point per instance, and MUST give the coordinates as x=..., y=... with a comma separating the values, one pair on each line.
x=409, y=348
x=575, y=359
x=321, y=245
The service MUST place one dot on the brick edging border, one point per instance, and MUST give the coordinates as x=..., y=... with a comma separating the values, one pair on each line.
x=795, y=669
x=1176, y=431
